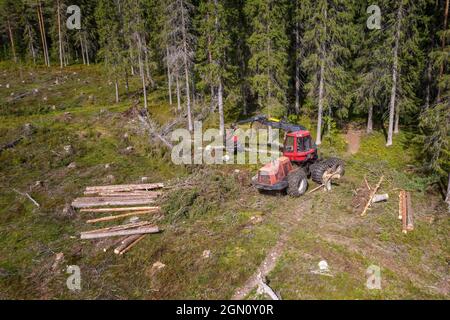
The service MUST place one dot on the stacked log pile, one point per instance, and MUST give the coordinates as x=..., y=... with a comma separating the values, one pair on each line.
x=132, y=201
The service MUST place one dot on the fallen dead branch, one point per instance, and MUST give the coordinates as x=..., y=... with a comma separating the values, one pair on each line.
x=120, y=216
x=28, y=196
x=367, y=183
x=327, y=180
x=141, y=230
x=372, y=194
x=264, y=288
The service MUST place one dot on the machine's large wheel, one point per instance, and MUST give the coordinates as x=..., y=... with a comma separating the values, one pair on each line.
x=337, y=165
x=298, y=183
x=332, y=165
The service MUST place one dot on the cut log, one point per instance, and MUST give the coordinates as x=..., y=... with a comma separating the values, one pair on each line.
x=380, y=197
x=152, y=194
x=372, y=194
x=110, y=244
x=119, y=227
x=141, y=230
x=98, y=202
x=131, y=245
x=409, y=213
x=126, y=242
x=125, y=187
x=120, y=216
x=119, y=209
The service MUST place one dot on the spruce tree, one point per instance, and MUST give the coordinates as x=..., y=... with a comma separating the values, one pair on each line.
x=268, y=43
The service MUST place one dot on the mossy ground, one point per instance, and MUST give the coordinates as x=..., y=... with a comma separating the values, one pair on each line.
x=216, y=213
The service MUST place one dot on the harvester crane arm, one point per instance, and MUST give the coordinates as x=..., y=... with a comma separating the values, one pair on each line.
x=274, y=123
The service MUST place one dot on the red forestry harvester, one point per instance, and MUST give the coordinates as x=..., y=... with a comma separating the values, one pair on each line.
x=299, y=161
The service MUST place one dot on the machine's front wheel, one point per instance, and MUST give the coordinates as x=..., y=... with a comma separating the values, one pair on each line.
x=297, y=183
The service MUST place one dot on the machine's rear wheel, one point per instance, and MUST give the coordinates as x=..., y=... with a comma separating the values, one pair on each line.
x=298, y=183
x=323, y=168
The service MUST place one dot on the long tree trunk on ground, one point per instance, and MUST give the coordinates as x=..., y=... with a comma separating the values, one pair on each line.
x=186, y=68
x=442, y=67
x=370, y=120
x=61, y=58
x=141, y=69
x=11, y=38
x=169, y=76
x=394, y=78
x=297, y=69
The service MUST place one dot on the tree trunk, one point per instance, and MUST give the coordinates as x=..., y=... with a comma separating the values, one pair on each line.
x=297, y=69
x=86, y=50
x=370, y=120
x=42, y=34
x=397, y=119
x=186, y=68
x=394, y=78
x=321, y=88
x=82, y=49
x=11, y=38
x=169, y=76
x=61, y=58
x=212, y=105
x=141, y=70
x=116, y=85
x=428, y=89
x=178, y=94
x=442, y=67
x=147, y=64
x=447, y=198
x=220, y=103
x=321, y=94
x=44, y=37
x=127, y=86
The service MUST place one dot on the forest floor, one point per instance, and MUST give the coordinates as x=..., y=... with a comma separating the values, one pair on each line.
x=218, y=211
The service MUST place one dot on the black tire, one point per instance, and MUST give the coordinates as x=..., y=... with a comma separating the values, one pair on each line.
x=297, y=183
x=337, y=165
x=332, y=165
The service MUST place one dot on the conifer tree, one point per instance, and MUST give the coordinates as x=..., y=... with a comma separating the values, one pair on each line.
x=268, y=43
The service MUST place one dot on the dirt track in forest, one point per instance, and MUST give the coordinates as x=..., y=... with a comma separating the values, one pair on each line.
x=271, y=259
x=353, y=138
